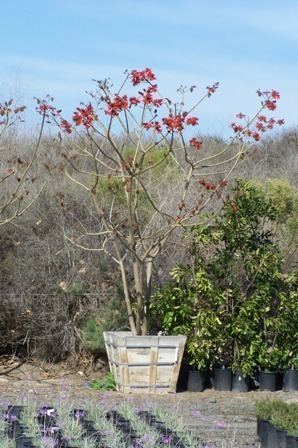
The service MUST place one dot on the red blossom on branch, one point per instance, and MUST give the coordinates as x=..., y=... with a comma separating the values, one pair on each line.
x=212, y=89
x=133, y=101
x=84, y=116
x=175, y=123
x=138, y=76
x=207, y=185
x=237, y=127
x=223, y=183
x=255, y=136
x=155, y=125
x=196, y=143
x=44, y=107
x=148, y=98
x=192, y=121
x=240, y=116
x=270, y=105
x=275, y=94
x=116, y=106
x=260, y=126
x=65, y=126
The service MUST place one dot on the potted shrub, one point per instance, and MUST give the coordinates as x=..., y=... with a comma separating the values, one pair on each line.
x=271, y=361
x=133, y=144
x=246, y=341
x=243, y=263
x=288, y=314
x=290, y=375
x=179, y=307
x=277, y=423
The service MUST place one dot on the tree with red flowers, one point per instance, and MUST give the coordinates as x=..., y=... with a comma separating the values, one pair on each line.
x=126, y=142
x=17, y=180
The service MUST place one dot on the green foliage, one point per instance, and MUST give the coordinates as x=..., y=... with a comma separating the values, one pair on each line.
x=183, y=307
x=233, y=302
x=282, y=415
x=110, y=316
x=107, y=383
x=284, y=196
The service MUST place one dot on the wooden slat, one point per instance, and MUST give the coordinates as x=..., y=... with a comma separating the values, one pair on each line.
x=147, y=364
x=153, y=367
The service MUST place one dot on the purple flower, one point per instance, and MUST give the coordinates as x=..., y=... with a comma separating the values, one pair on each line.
x=196, y=412
x=79, y=414
x=166, y=439
x=220, y=425
x=10, y=417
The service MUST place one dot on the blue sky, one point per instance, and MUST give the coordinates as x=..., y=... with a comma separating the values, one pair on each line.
x=58, y=46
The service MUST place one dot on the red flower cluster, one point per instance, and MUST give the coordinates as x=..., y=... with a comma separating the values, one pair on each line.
x=65, y=126
x=262, y=123
x=270, y=98
x=119, y=104
x=84, y=116
x=192, y=121
x=211, y=186
x=275, y=94
x=196, y=143
x=271, y=105
x=255, y=135
x=237, y=127
x=223, y=183
x=207, y=185
x=138, y=76
x=155, y=125
x=147, y=96
x=176, y=123
x=212, y=89
x=44, y=107
x=133, y=101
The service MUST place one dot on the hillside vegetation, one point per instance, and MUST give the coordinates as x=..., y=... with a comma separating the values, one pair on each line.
x=54, y=295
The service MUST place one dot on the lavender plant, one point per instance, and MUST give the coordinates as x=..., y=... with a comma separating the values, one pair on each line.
x=175, y=424
x=148, y=437
x=71, y=427
x=29, y=421
x=111, y=436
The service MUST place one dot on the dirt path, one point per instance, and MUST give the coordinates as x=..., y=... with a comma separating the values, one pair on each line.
x=220, y=419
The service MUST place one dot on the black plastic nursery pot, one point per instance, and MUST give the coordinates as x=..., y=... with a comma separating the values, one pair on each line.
x=290, y=380
x=183, y=376
x=267, y=434
x=291, y=441
x=262, y=430
x=269, y=381
x=281, y=438
x=222, y=378
x=241, y=383
x=197, y=380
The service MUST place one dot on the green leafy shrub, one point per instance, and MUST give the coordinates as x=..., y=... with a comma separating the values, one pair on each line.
x=233, y=301
x=107, y=383
x=282, y=415
x=284, y=196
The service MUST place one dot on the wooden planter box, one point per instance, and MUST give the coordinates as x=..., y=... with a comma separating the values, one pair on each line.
x=147, y=364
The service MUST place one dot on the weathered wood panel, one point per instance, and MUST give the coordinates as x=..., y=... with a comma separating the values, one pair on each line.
x=144, y=363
